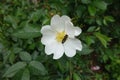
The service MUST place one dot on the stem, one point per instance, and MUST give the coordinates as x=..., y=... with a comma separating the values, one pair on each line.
x=70, y=69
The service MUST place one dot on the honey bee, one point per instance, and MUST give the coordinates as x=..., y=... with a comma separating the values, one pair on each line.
x=65, y=38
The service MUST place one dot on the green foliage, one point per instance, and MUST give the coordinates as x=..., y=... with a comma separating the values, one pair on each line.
x=22, y=56
x=25, y=56
x=104, y=39
x=38, y=66
x=100, y=4
x=28, y=31
x=14, y=69
x=26, y=75
x=76, y=76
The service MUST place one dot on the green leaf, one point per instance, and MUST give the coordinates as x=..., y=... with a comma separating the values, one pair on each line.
x=36, y=15
x=25, y=56
x=76, y=76
x=1, y=47
x=89, y=40
x=29, y=31
x=118, y=61
x=67, y=78
x=99, y=21
x=11, y=58
x=45, y=21
x=17, y=50
x=105, y=22
x=6, y=55
x=92, y=10
x=18, y=75
x=80, y=10
x=109, y=18
x=91, y=29
x=26, y=75
x=37, y=65
x=100, y=4
x=14, y=69
x=105, y=58
x=12, y=20
x=86, y=50
x=103, y=38
x=85, y=1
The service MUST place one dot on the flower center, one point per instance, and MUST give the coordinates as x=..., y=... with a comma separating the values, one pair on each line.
x=60, y=36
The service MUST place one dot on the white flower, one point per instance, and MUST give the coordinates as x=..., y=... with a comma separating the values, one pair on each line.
x=59, y=37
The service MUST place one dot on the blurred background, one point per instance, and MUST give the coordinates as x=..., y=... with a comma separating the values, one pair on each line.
x=22, y=55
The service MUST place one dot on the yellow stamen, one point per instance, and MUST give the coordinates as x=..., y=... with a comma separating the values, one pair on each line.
x=60, y=36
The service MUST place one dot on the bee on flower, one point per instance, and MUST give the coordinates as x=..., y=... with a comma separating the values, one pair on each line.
x=60, y=37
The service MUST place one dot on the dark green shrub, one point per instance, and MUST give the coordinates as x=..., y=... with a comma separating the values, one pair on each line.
x=22, y=55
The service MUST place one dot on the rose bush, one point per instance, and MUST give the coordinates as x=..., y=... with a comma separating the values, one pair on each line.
x=23, y=55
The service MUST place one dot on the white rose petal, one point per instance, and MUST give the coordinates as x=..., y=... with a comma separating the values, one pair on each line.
x=48, y=35
x=65, y=18
x=57, y=23
x=77, y=31
x=70, y=51
x=56, y=48
x=69, y=29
